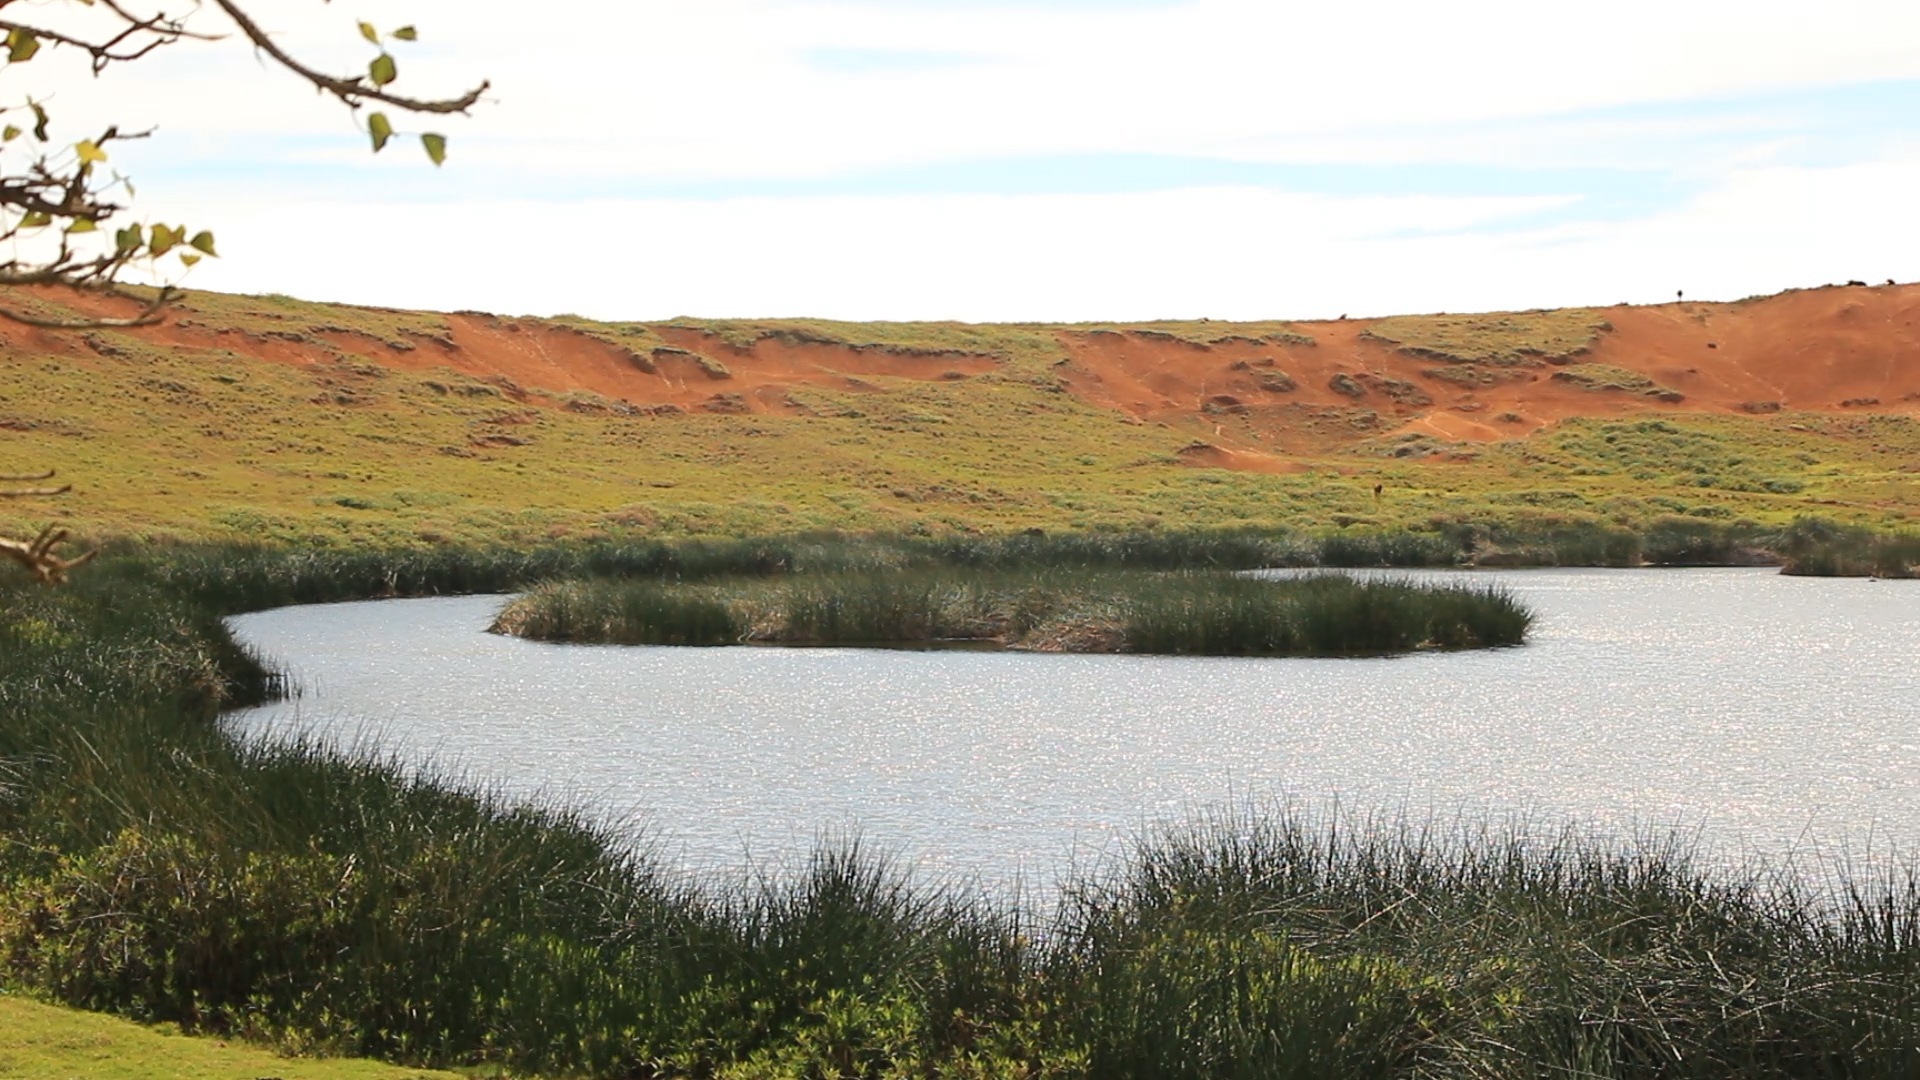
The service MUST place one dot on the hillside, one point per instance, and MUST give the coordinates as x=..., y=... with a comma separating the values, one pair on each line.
x=273, y=417
x=46, y=1042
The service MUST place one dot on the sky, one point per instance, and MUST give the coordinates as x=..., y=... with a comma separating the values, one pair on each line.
x=1055, y=160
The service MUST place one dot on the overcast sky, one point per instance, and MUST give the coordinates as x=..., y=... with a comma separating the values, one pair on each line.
x=1046, y=159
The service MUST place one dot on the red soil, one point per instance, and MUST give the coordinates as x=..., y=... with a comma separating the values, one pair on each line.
x=1851, y=349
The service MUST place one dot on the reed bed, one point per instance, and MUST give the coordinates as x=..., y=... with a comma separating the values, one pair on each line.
x=245, y=577
x=1071, y=610
x=1816, y=548
x=329, y=900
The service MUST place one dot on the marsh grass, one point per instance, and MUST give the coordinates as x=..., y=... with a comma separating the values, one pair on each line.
x=324, y=899
x=1078, y=610
x=1816, y=548
x=1269, y=944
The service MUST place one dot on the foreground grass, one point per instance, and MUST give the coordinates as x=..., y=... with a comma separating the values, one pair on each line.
x=1215, y=613
x=152, y=867
x=45, y=1042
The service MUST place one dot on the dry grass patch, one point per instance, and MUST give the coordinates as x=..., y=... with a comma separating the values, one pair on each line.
x=1501, y=338
x=1603, y=377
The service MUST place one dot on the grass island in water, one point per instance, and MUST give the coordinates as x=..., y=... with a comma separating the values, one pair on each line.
x=1051, y=610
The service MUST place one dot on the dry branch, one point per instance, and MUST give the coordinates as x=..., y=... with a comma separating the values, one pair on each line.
x=38, y=557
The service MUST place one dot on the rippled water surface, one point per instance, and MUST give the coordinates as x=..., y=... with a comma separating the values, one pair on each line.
x=1767, y=712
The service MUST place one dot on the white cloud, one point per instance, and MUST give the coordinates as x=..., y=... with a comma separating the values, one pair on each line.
x=662, y=90
x=1224, y=253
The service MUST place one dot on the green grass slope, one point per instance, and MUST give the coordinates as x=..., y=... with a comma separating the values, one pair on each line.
x=45, y=1042
x=272, y=418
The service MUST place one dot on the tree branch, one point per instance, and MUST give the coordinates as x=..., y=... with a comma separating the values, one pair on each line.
x=353, y=91
x=38, y=557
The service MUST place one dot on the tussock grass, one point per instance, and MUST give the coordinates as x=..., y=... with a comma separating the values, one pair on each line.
x=1816, y=548
x=1267, y=944
x=330, y=900
x=1054, y=610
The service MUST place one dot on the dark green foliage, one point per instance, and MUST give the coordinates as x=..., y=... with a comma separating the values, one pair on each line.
x=1816, y=548
x=1324, y=614
x=1268, y=945
x=152, y=866
x=1404, y=549
x=1684, y=541
x=628, y=612
x=1549, y=543
x=1223, y=550
x=239, y=578
x=1077, y=610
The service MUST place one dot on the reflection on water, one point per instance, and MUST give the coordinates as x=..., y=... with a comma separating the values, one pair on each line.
x=1768, y=712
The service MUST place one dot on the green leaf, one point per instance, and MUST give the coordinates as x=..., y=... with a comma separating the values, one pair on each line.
x=21, y=45
x=128, y=239
x=381, y=129
x=11, y=133
x=367, y=31
x=407, y=33
x=40, y=119
x=81, y=225
x=203, y=243
x=436, y=147
x=188, y=258
x=36, y=219
x=163, y=240
x=382, y=70
x=88, y=152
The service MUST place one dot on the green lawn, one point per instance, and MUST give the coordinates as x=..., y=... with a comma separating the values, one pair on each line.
x=42, y=1042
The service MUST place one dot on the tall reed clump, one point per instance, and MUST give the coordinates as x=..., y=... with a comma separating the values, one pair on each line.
x=1268, y=945
x=1322, y=614
x=1057, y=610
x=1817, y=548
x=622, y=612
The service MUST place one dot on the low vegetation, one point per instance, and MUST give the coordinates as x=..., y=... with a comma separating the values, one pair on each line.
x=1822, y=549
x=1603, y=377
x=273, y=418
x=1501, y=339
x=330, y=902
x=1071, y=611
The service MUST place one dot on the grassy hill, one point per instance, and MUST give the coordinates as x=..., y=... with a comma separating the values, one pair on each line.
x=268, y=417
x=44, y=1042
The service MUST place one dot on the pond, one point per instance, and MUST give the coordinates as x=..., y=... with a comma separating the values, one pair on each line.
x=1769, y=714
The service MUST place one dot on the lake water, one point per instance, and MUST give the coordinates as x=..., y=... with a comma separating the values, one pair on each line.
x=1769, y=714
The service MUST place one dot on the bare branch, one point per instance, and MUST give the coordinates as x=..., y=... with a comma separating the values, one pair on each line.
x=353, y=91
x=60, y=205
x=38, y=557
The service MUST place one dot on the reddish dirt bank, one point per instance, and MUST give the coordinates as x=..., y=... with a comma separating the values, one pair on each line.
x=1841, y=349
x=1847, y=349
